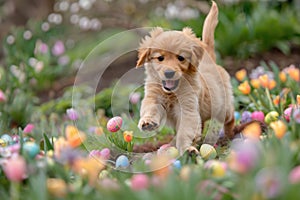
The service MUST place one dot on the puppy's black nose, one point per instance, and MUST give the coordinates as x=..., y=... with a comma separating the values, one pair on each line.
x=169, y=73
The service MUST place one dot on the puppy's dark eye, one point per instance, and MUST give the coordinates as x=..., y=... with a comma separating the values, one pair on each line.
x=160, y=58
x=180, y=58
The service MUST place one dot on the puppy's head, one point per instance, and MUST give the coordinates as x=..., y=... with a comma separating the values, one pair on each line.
x=172, y=54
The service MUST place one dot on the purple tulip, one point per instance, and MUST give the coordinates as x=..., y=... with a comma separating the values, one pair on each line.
x=58, y=48
x=258, y=115
x=72, y=114
x=246, y=117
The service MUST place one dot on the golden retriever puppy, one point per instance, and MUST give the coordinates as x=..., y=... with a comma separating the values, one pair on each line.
x=184, y=87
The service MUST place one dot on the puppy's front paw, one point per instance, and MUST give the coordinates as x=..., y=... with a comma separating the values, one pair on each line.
x=192, y=150
x=148, y=124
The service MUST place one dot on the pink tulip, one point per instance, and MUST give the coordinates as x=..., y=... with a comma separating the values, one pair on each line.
x=2, y=96
x=258, y=115
x=15, y=168
x=139, y=182
x=287, y=113
x=105, y=153
x=28, y=128
x=135, y=97
x=296, y=116
x=294, y=176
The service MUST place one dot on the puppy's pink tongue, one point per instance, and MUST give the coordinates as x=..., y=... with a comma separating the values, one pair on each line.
x=170, y=84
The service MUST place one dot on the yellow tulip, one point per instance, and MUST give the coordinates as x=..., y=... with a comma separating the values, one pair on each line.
x=282, y=77
x=245, y=88
x=279, y=128
x=255, y=83
x=241, y=74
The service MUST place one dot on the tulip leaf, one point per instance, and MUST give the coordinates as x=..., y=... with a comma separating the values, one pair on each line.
x=49, y=146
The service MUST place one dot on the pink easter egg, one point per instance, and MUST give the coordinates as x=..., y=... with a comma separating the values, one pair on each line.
x=114, y=124
x=258, y=115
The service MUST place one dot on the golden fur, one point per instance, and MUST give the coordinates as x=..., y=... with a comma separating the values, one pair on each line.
x=184, y=87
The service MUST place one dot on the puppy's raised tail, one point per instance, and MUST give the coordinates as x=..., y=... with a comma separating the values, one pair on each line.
x=208, y=31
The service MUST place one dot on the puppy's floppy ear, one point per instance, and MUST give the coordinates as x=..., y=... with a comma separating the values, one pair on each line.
x=143, y=56
x=197, y=54
x=145, y=46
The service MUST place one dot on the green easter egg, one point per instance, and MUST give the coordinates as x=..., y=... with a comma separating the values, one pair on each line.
x=207, y=152
x=271, y=117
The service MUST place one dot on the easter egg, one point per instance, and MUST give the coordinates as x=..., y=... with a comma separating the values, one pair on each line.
x=114, y=124
x=258, y=115
x=31, y=149
x=237, y=115
x=122, y=162
x=177, y=164
x=3, y=143
x=271, y=117
x=207, y=151
x=7, y=138
x=172, y=152
x=103, y=174
x=217, y=168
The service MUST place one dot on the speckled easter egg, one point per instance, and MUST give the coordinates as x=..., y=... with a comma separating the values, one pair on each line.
x=114, y=124
x=31, y=149
x=271, y=117
x=122, y=162
x=207, y=151
x=7, y=138
x=3, y=143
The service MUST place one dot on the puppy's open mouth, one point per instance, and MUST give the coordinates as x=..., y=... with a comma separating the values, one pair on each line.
x=170, y=85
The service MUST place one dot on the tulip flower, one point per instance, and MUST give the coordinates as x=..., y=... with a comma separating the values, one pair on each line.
x=241, y=74
x=139, y=182
x=245, y=87
x=298, y=100
x=72, y=114
x=282, y=77
x=128, y=136
x=135, y=97
x=279, y=128
x=269, y=182
x=2, y=96
x=28, y=128
x=294, y=176
x=255, y=83
x=287, y=113
x=74, y=136
x=296, y=116
x=293, y=72
x=15, y=168
x=266, y=82
x=57, y=187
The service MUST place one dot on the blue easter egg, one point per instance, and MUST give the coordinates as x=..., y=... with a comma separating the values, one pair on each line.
x=31, y=149
x=122, y=161
x=177, y=164
x=7, y=138
x=237, y=115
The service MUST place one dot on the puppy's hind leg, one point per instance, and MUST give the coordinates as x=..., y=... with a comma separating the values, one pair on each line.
x=229, y=126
